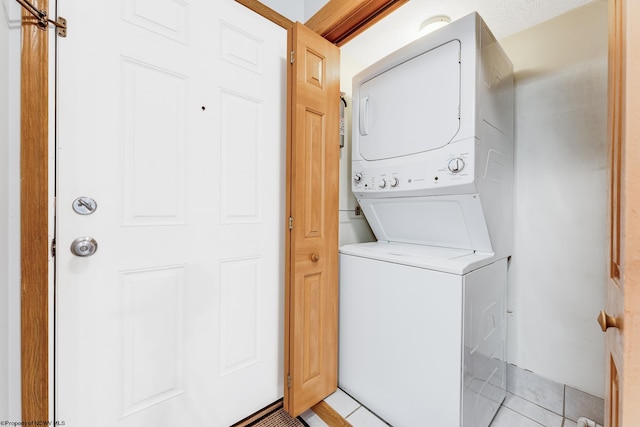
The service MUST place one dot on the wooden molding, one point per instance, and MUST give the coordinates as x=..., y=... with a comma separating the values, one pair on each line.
x=341, y=20
x=288, y=267
x=34, y=240
x=329, y=415
x=267, y=12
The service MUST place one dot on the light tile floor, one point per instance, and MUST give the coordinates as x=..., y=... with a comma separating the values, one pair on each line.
x=515, y=412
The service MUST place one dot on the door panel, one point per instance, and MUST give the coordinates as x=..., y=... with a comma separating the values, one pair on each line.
x=622, y=318
x=438, y=73
x=311, y=333
x=173, y=121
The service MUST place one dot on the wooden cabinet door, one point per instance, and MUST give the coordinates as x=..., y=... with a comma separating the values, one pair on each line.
x=622, y=318
x=311, y=290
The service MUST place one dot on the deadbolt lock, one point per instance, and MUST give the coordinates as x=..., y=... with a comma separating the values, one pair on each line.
x=84, y=205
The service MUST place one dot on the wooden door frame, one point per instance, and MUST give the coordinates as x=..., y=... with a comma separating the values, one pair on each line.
x=337, y=21
x=340, y=21
x=621, y=321
x=34, y=217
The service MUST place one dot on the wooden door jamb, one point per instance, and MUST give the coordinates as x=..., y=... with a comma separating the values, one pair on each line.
x=34, y=218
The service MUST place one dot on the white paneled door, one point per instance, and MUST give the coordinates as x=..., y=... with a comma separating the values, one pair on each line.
x=171, y=117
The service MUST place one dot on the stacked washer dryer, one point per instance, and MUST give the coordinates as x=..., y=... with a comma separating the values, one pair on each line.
x=422, y=310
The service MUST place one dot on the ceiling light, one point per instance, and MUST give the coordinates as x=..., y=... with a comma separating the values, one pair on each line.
x=433, y=24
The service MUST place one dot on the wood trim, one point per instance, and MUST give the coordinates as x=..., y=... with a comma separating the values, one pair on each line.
x=630, y=216
x=288, y=257
x=329, y=415
x=616, y=44
x=34, y=240
x=341, y=20
x=268, y=13
x=622, y=387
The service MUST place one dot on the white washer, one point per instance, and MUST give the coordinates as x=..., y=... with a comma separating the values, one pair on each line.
x=422, y=339
x=422, y=311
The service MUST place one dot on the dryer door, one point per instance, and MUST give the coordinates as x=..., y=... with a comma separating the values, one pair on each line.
x=412, y=107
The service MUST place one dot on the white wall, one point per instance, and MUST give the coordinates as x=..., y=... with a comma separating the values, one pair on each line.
x=558, y=271
x=9, y=214
x=557, y=276
x=312, y=6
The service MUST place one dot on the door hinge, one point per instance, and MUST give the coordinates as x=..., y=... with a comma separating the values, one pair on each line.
x=291, y=57
x=290, y=223
x=288, y=381
x=53, y=247
x=61, y=26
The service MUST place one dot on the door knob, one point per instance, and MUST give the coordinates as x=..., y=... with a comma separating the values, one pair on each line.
x=607, y=321
x=315, y=257
x=84, y=246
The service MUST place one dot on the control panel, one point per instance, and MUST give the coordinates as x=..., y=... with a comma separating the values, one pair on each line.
x=439, y=168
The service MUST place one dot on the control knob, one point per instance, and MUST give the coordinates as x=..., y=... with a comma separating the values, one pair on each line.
x=394, y=182
x=357, y=177
x=382, y=183
x=456, y=165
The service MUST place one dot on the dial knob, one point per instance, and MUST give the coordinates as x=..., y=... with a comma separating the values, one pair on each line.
x=382, y=183
x=456, y=165
x=394, y=182
x=357, y=177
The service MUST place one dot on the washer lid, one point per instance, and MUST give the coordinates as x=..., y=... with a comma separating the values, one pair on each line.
x=412, y=107
x=454, y=261
x=434, y=253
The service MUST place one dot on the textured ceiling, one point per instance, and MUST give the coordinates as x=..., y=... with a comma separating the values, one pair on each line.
x=504, y=17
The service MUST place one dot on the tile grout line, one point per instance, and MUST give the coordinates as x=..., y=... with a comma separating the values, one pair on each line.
x=524, y=416
x=532, y=403
x=352, y=412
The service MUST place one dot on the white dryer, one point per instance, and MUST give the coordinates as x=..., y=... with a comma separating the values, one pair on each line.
x=422, y=310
